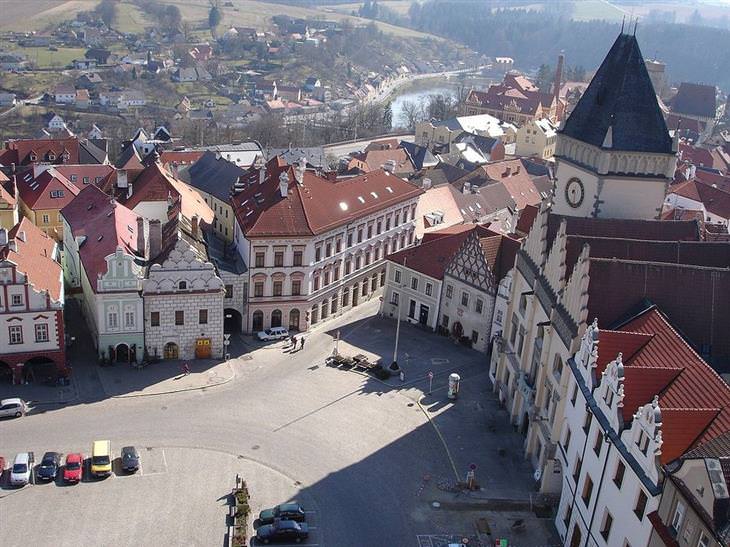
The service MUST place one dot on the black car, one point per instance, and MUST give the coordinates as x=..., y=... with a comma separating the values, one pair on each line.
x=130, y=459
x=48, y=469
x=285, y=511
x=282, y=530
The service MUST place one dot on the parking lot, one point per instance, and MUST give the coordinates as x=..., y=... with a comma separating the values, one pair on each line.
x=178, y=494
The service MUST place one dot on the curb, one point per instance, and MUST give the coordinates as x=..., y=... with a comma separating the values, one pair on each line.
x=181, y=390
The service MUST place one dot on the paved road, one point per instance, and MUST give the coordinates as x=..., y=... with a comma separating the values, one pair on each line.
x=355, y=451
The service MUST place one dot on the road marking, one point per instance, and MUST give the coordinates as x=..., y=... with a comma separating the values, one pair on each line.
x=164, y=459
x=310, y=512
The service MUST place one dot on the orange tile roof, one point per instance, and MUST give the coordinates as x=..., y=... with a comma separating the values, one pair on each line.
x=611, y=342
x=34, y=257
x=37, y=192
x=18, y=151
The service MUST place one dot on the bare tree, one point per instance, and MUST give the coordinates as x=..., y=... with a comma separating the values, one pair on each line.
x=411, y=114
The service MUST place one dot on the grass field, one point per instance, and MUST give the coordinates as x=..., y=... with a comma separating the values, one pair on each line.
x=29, y=15
x=130, y=19
x=44, y=58
x=398, y=6
x=585, y=10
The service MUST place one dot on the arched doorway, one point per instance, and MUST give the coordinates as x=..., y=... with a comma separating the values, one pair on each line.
x=121, y=353
x=275, y=318
x=232, y=320
x=257, y=321
x=171, y=351
x=40, y=369
x=294, y=319
x=6, y=373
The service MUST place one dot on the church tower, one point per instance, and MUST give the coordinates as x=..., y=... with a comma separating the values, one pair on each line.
x=614, y=156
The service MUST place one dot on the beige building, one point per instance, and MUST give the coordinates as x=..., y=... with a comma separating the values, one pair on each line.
x=537, y=138
x=9, y=213
x=444, y=133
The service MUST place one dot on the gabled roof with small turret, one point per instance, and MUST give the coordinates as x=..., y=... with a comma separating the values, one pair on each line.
x=620, y=98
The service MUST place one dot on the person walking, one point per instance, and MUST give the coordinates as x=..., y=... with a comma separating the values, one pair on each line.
x=302, y=346
x=186, y=369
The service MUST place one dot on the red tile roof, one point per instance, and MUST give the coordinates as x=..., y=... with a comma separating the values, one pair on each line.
x=104, y=225
x=694, y=154
x=181, y=157
x=716, y=201
x=38, y=193
x=500, y=252
x=316, y=205
x=7, y=193
x=693, y=398
x=85, y=170
x=34, y=257
x=18, y=151
x=611, y=342
x=432, y=257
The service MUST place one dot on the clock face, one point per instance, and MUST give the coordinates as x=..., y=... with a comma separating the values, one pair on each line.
x=574, y=192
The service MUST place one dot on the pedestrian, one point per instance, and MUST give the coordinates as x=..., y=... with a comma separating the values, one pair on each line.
x=186, y=369
x=302, y=339
x=293, y=342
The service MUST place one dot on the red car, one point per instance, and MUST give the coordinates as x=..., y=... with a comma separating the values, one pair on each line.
x=74, y=467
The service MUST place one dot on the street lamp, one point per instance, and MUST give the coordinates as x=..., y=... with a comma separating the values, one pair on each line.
x=394, y=365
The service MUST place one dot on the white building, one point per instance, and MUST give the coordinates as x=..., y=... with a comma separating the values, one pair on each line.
x=432, y=133
x=314, y=246
x=537, y=138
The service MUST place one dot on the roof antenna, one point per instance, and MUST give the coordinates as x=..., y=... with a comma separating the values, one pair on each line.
x=636, y=23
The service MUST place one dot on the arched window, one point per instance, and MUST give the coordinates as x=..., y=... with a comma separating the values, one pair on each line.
x=275, y=318
x=182, y=285
x=257, y=322
x=294, y=319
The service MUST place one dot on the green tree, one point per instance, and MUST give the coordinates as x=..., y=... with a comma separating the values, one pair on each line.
x=388, y=116
x=544, y=77
x=214, y=16
x=107, y=12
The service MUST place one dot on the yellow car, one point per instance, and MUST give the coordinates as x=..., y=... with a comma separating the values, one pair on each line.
x=101, y=458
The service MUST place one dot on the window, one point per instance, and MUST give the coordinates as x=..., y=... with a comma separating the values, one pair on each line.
x=474, y=337
x=179, y=317
x=85, y=180
x=349, y=239
x=523, y=305
x=229, y=291
x=568, y=514
x=318, y=254
x=643, y=443
x=358, y=262
x=258, y=288
x=379, y=228
x=499, y=317
x=606, y=526
x=445, y=321
x=479, y=306
x=279, y=259
x=576, y=471
x=182, y=285
x=704, y=540
x=112, y=320
x=587, y=422
x=577, y=537
x=338, y=245
x=260, y=257
x=370, y=231
x=566, y=443
x=326, y=278
x=333, y=304
x=397, y=276
x=464, y=298
x=155, y=319
x=46, y=219
x=574, y=396
x=414, y=283
x=678, y=518
x=394, y=297
x=60, y=194
x=640, y=506
x=17, y=300
x=316, y=282
x=587, y=490
x=328, y=249
x=618, y=476
x=296, y=287
x=129, y=319
x=599, y=442
x=277, y=288
x=449, y=291
x=513, y=330
x=74, y=178
x=348, y=267
x=202, y=317
x=387, y=223
x=41, y=332
x=345, y=298
x=15, y=333
x=429, y=289
x=520, y=342
x=412, y=309
x=297, y=258
x=359, y=235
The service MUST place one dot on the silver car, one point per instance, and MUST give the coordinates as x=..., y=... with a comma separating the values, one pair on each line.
x=13, y=407
x=22, y=467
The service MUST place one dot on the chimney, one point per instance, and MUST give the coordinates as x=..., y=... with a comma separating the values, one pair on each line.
x=466, y=188
x=299, y=169
x=21, y=235
x=155, y=238
x=12, y=168
x=3, y=236
x=194, y=226
x=122, y=180
x=284, y=184
x=558, y=76
x=507, y=171
x=141, y=238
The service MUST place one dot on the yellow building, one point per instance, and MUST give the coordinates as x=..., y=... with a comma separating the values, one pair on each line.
x=537, y=138
x=9, y=216
x=43, y=196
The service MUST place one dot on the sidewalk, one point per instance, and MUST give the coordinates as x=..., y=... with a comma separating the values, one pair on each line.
x=121, y=381
x=40, y=394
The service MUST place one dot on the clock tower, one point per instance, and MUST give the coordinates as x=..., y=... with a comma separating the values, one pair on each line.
x=614, y=156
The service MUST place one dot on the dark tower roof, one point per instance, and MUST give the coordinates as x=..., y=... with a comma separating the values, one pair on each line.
x=621, y=96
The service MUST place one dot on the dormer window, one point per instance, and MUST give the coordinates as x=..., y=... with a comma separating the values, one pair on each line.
x=182, y=285
x=33, y=156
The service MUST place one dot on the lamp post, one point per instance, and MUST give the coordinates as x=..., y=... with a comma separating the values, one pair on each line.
x=394, y=365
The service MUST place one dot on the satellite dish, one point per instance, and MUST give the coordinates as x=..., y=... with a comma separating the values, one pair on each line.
x=537, y=475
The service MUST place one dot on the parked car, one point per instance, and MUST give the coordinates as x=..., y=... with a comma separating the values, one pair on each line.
x=13, y=407
x=282, y=530
x=101, y=458
x=74, y=468
x=274, y=333
x=20, y=472
x=130, y=459
x=285, y=511
x=48, y=468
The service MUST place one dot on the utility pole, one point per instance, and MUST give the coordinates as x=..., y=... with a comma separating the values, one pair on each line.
x=397, y=326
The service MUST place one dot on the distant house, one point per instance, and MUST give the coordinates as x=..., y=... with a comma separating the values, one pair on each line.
x=65, y=94
x=7, y=99
x=311, y=83
x=101, y=56
x=537, y=138
x=191, y=74
x=89, y=80
x=96, y=133
x=54, y=122
x=694, y=109
x=82, y=98
x=131, y=99
x=201, y=52
x=12, y=61
x=84, y=64
x=290, y=93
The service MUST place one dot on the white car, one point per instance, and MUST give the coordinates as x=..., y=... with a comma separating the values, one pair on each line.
x=274, y=333
x=20, y=472
x=13, y=407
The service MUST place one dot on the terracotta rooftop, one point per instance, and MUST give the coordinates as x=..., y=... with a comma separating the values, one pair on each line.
x=716, y=201
x=695, y=100
x=104, y=225
x=315, y=205
x=20, y=151
x=34, y=256
x=500, y=251
x=49, y=190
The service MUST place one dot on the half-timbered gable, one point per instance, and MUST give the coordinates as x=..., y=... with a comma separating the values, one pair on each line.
x=470, y=266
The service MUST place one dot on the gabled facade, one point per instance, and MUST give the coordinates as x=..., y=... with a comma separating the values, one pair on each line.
x=537, y=138
x=32, y=339
x=43, y=193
